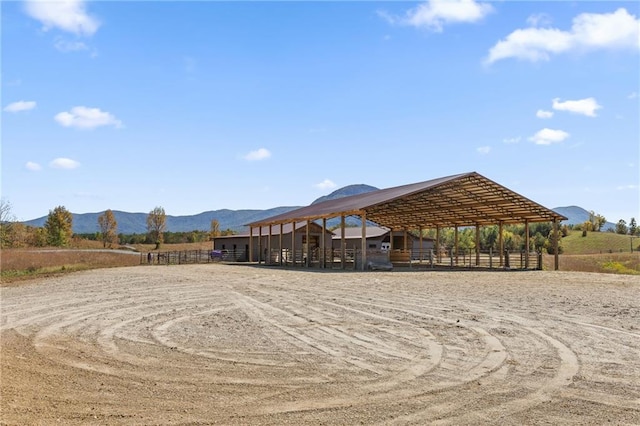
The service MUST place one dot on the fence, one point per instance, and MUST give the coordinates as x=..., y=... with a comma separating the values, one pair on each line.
x=332, y=258
x=180, y=257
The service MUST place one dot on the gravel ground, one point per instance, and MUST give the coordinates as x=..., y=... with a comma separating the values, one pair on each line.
x=224, y=344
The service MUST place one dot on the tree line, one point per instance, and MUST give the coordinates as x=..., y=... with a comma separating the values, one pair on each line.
x=58, y=230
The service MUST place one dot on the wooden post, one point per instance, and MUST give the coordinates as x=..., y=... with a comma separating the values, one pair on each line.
x=363, y=217
x=280, y=246
x=293, y=244
x=420, y=249
x=251, y=244
x=477, y=244
x=308, y=235
x=500, y=244
x=260, y=245
x=323, y=247
x=526, y=243
x=455, y=243
x=343, y=255
x=268, y=259
x=556, y=263
x=438, y=254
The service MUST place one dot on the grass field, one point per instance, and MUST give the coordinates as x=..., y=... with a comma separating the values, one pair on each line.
x=597, y=252
x=599, y=243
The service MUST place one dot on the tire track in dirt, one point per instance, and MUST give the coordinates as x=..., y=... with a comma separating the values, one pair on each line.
x=270, y=346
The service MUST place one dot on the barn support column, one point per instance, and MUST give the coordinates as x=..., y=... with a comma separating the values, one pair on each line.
x=556, y=263
x=500, y=244
x=438, y=256
x=308, y=234
x=323, y=248
x=259, y=245
x=343, y=255
x=526, y=244
x=477, y=244
x=250, y=244
x=280, y=247
x=420, y=249
x=363, y=247
x=455, y=243
x=293, y=244
x=268, y=259
x=405, y=245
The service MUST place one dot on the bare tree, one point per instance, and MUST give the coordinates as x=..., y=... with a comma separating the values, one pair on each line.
x=215, y=229
x=7, y=221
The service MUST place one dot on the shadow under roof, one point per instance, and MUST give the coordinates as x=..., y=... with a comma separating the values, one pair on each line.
x=465, y=199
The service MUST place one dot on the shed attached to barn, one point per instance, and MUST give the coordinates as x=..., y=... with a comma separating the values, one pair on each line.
x=261, y=243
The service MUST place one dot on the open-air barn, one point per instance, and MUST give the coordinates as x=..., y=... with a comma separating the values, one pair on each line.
x=462, y=200
x=265, y=239
x=382, y=239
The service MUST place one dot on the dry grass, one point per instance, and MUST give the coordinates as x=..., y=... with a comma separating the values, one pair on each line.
x=20, y=264
x=617, y=263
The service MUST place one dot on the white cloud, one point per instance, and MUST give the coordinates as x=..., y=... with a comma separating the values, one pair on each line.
x=64, y=163
x=66, y=15
x=435, y=14
x=34, y=167
x=632, y=95
x=20, y=106
x=483, y=149
x=325, y=184
x=627, y=187
x=86, y=118
x=539, y=20
x=512, y=140
x=586, y=106
x=544, y=114
x=257, y=155
x=69, y=46
x=549, y=136
x=617, y=30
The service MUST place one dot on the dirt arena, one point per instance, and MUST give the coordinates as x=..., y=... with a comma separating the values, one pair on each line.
x=222, y=344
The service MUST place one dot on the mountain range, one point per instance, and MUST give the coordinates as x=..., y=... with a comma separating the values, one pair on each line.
x=136, y=223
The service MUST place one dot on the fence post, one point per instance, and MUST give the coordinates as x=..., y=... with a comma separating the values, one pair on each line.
x=540, y=261
x=507, y=262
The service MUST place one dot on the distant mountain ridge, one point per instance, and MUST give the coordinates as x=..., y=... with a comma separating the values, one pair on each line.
x=136, y=223
x=578, y=215
x=347, y=191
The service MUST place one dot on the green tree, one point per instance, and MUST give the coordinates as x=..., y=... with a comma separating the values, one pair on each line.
x=633, y=227
x=156, y=225
x=621, y=227
x=108, y=228
x=597, y=221
x=59, y=227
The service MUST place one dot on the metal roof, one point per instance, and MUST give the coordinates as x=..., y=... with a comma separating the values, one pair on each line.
x=286, y=229
x=465, y=199
x=356, y=232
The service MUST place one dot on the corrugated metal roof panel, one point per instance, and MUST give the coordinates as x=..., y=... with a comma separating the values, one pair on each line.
x=458, y=200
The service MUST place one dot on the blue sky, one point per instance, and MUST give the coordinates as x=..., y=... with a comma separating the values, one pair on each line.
x=197, y=106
